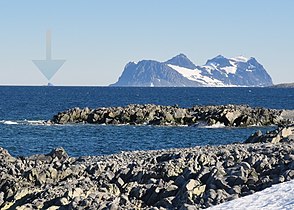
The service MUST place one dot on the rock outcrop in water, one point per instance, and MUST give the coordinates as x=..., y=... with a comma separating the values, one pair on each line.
x=190, y=178
x=149, y=114
x=279, y=135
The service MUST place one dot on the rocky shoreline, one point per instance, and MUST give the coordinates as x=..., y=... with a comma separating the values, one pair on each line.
x=189, y=178
x=150, y=114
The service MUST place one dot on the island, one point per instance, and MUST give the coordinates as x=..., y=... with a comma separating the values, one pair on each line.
x=180, y=71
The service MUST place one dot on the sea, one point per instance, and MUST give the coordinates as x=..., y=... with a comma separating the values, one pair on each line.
x=23, y=109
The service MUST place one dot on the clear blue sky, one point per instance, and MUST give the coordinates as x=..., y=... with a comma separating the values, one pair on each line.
x=97, y=38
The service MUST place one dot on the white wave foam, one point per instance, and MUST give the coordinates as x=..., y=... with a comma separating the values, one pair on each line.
x=217, y=125
x=23, y=122
x=35, y=122
x=8, y=122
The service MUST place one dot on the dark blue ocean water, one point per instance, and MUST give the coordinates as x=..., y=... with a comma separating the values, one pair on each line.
x=21, y=105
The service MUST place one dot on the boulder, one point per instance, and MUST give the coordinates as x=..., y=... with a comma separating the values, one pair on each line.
x=58, y=153
x=191, y=184
x=229, y=117
x=286, y=131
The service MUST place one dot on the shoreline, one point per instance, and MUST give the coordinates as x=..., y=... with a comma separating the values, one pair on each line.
x=186, y=178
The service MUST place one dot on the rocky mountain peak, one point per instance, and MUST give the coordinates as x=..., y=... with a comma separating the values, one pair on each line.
x=181, y=60
x=219, y=61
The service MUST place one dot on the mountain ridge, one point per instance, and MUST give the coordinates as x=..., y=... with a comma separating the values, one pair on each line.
x=180, y=71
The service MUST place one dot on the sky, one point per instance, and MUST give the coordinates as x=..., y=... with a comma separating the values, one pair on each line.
x=98, y=38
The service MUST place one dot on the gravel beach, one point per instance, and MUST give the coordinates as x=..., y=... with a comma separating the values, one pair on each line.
x=188, y=178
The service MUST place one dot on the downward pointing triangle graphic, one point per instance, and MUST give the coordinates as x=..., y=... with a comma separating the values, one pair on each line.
x=48, y=67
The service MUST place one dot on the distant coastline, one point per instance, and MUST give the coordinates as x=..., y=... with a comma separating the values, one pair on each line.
x=284, y=85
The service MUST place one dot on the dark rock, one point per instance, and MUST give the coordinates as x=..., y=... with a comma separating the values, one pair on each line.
x=180, y=181
x=165, y=203
x=170, y=191
x=289, y=174
x=58, y=153
x=254, y=137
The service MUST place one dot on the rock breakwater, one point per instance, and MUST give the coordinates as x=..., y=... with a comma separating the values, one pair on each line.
x=189, y=178
x=150, y=114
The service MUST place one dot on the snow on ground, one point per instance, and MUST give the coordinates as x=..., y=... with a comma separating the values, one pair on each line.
x=277, y=197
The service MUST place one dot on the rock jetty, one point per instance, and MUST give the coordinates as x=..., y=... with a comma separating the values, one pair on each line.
x=189, y=178
x=150, y=114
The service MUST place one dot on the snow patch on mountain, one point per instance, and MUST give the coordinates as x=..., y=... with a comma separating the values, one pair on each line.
x=195, y=75
x=229, y=69
x=240, y=59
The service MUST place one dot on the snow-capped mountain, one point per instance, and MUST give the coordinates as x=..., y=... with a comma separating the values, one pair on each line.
x=179, y=71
